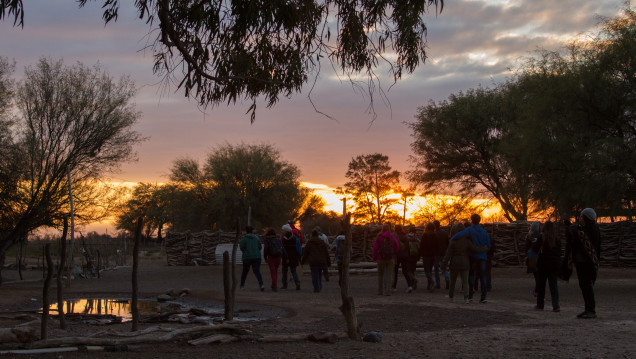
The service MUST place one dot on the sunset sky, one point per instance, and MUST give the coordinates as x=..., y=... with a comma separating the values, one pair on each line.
x=471, y=43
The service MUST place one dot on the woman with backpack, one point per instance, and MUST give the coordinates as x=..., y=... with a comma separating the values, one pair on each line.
x=291, y=255
x=385, y=248
x=273, y=253
x=402, y=260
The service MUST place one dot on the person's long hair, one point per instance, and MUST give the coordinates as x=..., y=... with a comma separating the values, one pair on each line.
x=549, y=236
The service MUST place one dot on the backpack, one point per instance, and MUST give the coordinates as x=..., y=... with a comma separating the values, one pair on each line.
x=414, y=246
x=387, y=250
x=275, y=247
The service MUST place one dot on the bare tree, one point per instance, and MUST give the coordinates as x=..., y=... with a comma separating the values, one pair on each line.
x=75, y=119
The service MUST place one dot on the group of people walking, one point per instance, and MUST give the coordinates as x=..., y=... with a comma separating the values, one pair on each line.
x=287, y=250
x=465, y=253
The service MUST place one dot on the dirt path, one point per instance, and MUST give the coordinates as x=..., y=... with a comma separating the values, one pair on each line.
x=419, y=324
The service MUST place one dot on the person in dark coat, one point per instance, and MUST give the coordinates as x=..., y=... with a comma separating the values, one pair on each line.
x=442, y=245
x=548, y=247
x=316, y=254
x=428, y=249
x=583, y=247
x=291, y=256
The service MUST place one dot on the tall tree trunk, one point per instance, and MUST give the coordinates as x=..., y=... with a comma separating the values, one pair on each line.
x=135, y=286
x=60, y=269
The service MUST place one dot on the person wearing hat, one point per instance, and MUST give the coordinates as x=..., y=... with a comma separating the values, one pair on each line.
x=291, y=255
x=583, y=248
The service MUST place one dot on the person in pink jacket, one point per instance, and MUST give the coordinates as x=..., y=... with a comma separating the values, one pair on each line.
x=385, y=249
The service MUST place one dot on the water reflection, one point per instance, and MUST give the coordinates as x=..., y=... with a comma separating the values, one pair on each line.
x=106, y=306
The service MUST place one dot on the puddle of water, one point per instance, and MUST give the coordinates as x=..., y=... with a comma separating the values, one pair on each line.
x=107, y=307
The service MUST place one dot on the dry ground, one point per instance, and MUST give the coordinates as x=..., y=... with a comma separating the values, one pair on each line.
x=415, y=325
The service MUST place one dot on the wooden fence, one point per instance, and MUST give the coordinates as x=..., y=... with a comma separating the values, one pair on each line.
x=618, y=243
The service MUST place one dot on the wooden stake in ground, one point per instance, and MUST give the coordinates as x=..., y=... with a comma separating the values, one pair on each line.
x=45, y=293
x=135, y=287
x=348, y=307
x=60, y=269
x=229, y=274
x=227, y=286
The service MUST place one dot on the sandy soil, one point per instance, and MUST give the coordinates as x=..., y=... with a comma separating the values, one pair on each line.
x=420, y=324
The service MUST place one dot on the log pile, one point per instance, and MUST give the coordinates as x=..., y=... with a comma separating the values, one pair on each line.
x=618, y=243
x=187, y=248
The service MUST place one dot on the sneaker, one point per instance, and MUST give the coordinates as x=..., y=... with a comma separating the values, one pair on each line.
x=409, y=289
x=556, y=310
x=580, y=314
x=483, y=301
x=284, y=286
x=536, y=307
x=297, y=286
x=262, y=288
x=274, y=289
x=468, y=301
x=588, y=315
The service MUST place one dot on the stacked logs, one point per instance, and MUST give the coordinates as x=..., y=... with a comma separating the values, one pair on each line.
x=188, y=248
x=618, y=243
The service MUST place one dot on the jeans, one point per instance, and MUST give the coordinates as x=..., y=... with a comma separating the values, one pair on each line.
x=385, y=275
x=292, y=269
x=404, y=263
x=273, y=263
x=544, y=275
x=255, y=264
x=316, y=277
x=478, y=266
x=428, y=269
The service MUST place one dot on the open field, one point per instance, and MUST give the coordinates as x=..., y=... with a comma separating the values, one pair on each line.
x=419, y=324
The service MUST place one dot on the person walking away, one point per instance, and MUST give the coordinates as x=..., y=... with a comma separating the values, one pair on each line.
x=548, y=248
x=251, y=247
x=531, y=255
x=402, y=260
x=273, y=254
x=442, y=246
x=316, y=254
x=480, y=237
x=324, y=238
x=583, y=247
x=428, y=249
x=291, y=256
x=339, y=247
x=385, y=248
x=458, y=260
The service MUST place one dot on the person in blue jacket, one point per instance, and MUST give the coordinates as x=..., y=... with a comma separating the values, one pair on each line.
x=480, y=237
